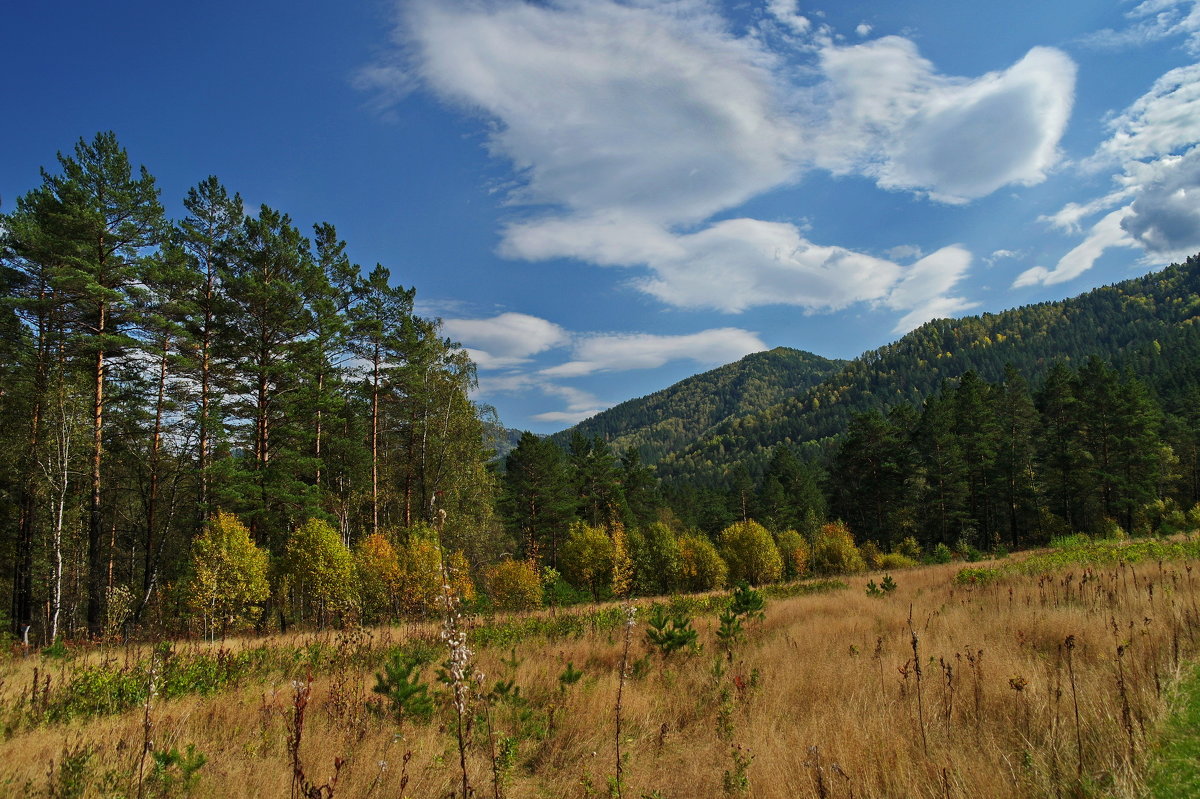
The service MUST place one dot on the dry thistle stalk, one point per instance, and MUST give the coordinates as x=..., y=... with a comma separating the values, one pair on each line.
x=630, y=613
x=147, y=728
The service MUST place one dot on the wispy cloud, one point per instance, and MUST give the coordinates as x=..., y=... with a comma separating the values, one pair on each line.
x=1154, y=145
x=631, y=125
x=1153, y=21
x=1103, y=235
x=621, y=352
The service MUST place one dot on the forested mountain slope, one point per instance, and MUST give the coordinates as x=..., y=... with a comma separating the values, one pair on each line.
x=669, y=420
x=1147, y=324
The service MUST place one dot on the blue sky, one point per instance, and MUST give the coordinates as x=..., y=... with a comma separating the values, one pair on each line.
x=601, y=197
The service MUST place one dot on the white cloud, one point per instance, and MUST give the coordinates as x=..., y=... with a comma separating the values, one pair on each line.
x=731, y=266
x=1104, y=234
x=904, y=251
x=1155, y=143
x=738, y=264
x=932, y=276
x=653, y=109
x=999, y=255
x=579, y=404
x=957, y=140
x=620, y=352
x=788, y=13
x=923, y=289
x=505, y=340
x=631, y=125
x=863, y=29
x=565, y=417
x=936, y=308
x=1162, y=121
x=1153, y=21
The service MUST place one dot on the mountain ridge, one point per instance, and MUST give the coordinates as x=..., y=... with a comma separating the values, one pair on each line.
x=764, y=403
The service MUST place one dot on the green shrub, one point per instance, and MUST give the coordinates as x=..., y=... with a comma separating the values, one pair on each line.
x=894, y=560
x=515, y=585
x=834, y=551
x=909, y=548
x=669, y=632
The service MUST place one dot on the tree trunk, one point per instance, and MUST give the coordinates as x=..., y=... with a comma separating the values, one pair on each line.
x=149, y=564
x=96, y=579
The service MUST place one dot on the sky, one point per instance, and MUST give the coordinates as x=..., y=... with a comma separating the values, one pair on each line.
x=602, y=197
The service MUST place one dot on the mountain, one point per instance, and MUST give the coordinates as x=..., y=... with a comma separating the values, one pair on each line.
x=699, y=429
x=669, y=420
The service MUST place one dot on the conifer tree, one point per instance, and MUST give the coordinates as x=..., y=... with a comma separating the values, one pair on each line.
x=106, y=221
x=267, y=284
x=1017, y=420
x=381, y=329
x=207, y=238
x=537, y=504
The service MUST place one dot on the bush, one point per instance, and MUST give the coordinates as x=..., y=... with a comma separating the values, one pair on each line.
x=795, y=553
x=1110, y=531
x=871, y=554
x=701, y=567
x=750, y=553
x=515, y=585
x=834, y=551
x=941, y=554
x=909, y=548
x=894, y=560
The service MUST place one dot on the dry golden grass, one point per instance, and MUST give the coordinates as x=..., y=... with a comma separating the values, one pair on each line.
x=823, y=696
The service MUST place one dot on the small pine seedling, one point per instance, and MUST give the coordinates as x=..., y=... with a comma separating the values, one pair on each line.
x=401, y=684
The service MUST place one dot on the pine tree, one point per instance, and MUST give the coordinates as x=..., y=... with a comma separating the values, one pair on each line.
x=1017, y=421
x=1060, y=452
x=266, y=284
x=105, y=220
x=943, y=487
x=381, y=327
x=536, y=503
x=207, y=238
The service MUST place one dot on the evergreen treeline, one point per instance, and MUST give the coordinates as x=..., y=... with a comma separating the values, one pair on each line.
x=993, y=465
x=155, y=372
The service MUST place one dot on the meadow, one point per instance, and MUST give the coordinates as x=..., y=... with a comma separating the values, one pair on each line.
x=1044, y=676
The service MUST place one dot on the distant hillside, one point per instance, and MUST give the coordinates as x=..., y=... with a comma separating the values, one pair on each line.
x=500, y=440
x=670, y=420
x=1150, y=325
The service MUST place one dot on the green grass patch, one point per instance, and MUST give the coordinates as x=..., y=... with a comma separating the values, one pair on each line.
x=1079, y=551
x=1174, y=770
